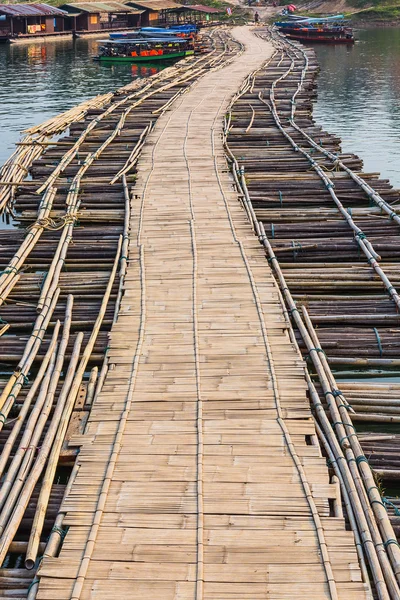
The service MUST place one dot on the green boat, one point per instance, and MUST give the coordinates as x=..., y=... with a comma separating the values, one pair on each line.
x=144, y=50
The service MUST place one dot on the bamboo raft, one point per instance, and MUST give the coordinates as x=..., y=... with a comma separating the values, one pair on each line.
x=162, y=348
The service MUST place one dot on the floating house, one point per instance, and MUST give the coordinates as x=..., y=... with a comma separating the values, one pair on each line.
x=197, y=13
x=30, y=20
x=93, y=17
x=156, y=12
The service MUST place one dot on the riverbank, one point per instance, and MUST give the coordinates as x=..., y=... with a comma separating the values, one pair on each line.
x=362, y=13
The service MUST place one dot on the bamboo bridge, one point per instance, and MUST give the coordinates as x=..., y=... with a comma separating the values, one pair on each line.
x=162, y=435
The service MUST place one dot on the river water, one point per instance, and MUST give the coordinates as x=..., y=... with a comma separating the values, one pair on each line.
x=40, y=80
x=358, y=87
x=359, y=98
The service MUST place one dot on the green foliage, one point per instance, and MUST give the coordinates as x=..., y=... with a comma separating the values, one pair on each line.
x=377, y=13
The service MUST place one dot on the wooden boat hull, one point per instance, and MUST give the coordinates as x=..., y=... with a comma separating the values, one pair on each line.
x=319, y=40
x=135, y=59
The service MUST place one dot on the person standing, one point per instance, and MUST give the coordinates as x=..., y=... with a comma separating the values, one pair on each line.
x=256, y=17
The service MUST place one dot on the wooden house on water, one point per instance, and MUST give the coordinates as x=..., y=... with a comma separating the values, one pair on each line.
x=197, y=13
x=30, y=21
x=96, y=17
x=156, y=12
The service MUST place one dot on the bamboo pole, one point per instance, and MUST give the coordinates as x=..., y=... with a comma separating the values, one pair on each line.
x=17, y=379
x=35, y=426
x=9, y=531
x=376, y=540
x=346, y=498
x=5, y=454
x=25, y=453
x=91, y=386
x=371, y=489
x=44, y=496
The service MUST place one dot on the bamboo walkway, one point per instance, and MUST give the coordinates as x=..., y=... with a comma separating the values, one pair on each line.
x=200, y=476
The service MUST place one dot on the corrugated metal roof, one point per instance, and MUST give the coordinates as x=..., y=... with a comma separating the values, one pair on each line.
x=99, y=7
x=155, y=4
x=30, y=10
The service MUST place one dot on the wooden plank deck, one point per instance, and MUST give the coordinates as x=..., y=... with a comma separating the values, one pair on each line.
x=199, y=478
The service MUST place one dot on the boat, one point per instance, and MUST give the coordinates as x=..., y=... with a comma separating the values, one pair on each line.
x=326, y=30
x=152, y=32
x=144, y=50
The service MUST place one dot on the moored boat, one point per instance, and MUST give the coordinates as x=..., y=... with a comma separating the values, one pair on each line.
x=183, y=31
x=329, y=30
x=145, y=50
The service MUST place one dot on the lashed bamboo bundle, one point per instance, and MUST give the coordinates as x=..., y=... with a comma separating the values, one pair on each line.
x=17, y=380
x=16, y=168
x=10, y=527
x=20, y=492
x=328, y=385
x=23, y=412
x=9, y=276
x=43, y=421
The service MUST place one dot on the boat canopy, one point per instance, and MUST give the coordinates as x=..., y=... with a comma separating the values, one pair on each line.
x=136, y=41
x=309, y=20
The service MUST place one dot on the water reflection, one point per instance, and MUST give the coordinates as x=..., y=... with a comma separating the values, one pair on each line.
x=358, y=98
x=40, y=80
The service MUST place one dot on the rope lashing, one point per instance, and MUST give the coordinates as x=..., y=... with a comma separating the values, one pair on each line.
x=61, y=532
x=344, y=425
x=378, y=339
x=360, y=235
x=280, y=198
x=377, y=502
x=9, y=270
x=34, y=582
x=25, y=378
x=272, y=231
x=346, y=406
x=387, y=503
x=390, y=541
x=361, y=459
x=346, y=437
x=318, y=350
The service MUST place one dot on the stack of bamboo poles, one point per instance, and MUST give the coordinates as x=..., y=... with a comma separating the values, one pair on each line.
x=40, y=272
x=23, y=472
x=16, y=168
x=365, y=509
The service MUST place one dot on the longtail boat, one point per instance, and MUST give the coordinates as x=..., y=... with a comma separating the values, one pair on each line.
x=144, y=50
x=156, y=32
x=329, y=30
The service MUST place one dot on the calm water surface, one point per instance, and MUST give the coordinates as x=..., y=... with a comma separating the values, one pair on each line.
x=359, y=98
x=40, y=80
x=359, y=90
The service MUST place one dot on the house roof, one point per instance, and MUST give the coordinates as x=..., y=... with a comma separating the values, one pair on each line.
x=100, y=7
x=29, y=10
x=155, y=5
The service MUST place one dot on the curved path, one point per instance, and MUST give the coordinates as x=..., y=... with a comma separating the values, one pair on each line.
x=199, y=474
